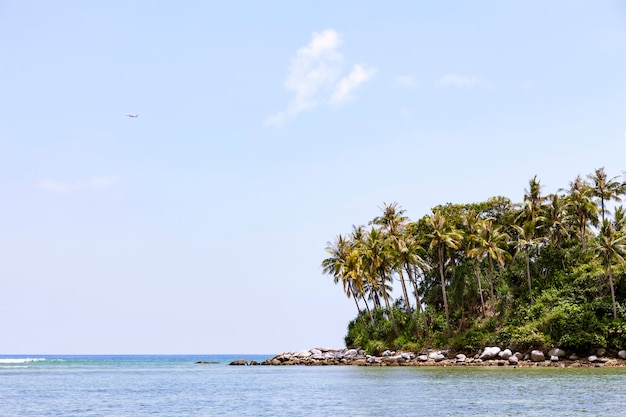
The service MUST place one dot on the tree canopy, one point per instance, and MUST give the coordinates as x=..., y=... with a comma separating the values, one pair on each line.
x=547, y=271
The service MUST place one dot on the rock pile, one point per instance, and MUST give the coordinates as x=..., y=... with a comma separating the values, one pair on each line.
x=490, y=356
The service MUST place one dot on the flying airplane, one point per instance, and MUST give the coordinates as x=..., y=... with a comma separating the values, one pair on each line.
x=134, y=116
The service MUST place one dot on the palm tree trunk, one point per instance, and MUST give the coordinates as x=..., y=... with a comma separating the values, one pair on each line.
x=418, y=302
x=358, y=308
x=490, y=277
x=443, y=290
x=480, y=290
x=406, y=295
x=388, y=304
x=530, y=287
x=610, y=273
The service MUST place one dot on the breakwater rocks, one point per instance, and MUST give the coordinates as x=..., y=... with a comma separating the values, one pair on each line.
x=489, y=356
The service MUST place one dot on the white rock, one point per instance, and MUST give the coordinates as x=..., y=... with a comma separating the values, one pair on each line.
x=537, y=356
x=513, y=359
x=315, y=351
x=350, y=353
x=557, y=352
x=422, y=358
x=505, y=354
x=302, y=354
x=554, y=358
x=461, y=357
x=490, y=353
x=592, y=358
x=621, y=354
x=436, y=356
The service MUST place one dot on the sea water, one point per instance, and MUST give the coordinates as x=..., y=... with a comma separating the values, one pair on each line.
x=164, y=385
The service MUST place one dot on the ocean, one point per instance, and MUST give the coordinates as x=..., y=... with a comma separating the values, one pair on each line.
x=175, y=385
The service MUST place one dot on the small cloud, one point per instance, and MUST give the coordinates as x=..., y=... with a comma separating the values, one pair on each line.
x=349, y=83
x=313, y=76
x=92, y=183
x=406, y=81
x=459, y=80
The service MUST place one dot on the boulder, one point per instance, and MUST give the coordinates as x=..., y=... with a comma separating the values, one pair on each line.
x=350, y=353
x=422, y=358
x=239, y=362
x=302, y=354
x=621, y=354
x=461, y=357
x=573, y=357
x=557, y=352
x=315, y=352
x=554, y=358
x=513, y=360
x=592, y=358
x=489, y=353
x=537, y=356
x=436, y=356
x=505, y=354
x=601, y=352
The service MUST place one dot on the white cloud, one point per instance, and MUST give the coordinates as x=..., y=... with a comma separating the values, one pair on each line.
x=313, y=76
x=91, y=183
x=345, y=86
x=459, y=80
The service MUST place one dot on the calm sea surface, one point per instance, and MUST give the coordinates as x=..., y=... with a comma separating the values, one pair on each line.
x=57, y=385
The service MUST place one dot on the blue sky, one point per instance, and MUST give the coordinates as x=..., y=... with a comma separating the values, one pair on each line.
x=265, y=129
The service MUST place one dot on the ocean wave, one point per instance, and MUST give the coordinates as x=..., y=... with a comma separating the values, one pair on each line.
x=20, y=360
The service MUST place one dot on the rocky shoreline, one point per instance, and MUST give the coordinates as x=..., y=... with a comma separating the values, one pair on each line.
x=489, y=356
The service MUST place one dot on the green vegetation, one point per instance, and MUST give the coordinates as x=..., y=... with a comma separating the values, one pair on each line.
x=543, y=273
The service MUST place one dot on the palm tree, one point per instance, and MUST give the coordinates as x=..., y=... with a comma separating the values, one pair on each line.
x=556, y=220
x=442, y=237
x=532, y=209
x=610, y=246
x=393, y=221
x=606, y=189
x=582, y=208
x=525, y=242
x=490, y=243
x=375, y=257
x=471, y=221
x=339, y=266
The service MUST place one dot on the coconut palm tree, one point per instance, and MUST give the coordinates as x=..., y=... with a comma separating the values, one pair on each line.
x=490, y=243
x=338, y=265
x=525, y=242
x=610, y=246
x=393, y=222
x=470, y=221
x=442, y=237
x=375, y=258
x=582, y=208
x=605, y=189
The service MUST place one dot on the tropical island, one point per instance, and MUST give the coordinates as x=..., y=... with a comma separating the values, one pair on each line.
x=545, y=273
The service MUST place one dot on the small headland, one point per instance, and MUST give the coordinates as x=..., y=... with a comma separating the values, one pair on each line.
x=489, y=356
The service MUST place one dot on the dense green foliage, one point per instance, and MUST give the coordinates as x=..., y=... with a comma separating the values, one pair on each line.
x=546, y=272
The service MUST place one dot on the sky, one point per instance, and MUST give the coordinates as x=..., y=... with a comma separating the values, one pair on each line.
x=264, y=130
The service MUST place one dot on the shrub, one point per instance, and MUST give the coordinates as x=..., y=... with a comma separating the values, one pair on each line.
x=375, y=347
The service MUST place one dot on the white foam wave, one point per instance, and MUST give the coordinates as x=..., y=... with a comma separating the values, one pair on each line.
x=20, y=360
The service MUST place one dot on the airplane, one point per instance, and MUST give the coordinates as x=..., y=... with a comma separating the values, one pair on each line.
x=134, y=116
